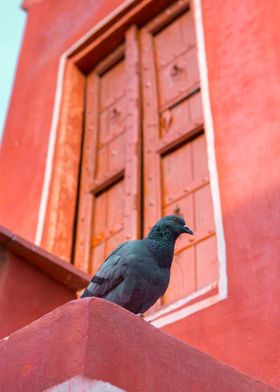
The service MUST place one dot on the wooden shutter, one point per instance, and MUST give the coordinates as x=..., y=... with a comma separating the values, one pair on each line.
x=109, y=201
x=176, y=178
x=175, y=166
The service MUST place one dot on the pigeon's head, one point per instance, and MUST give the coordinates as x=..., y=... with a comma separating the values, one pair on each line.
x=176, y=224
x=173, y=224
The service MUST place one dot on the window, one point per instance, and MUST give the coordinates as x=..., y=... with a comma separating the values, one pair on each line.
x=144, y=152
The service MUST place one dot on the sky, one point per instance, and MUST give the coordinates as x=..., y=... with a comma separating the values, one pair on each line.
x=12, y=21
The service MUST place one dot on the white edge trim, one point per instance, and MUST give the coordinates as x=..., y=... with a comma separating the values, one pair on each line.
x=183, y=301
x=180, y=314
x=55, y=117
x=84, y=384
x=210, y=138
x=50, y=152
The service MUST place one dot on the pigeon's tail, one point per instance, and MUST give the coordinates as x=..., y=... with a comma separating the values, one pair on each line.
x=86, y=293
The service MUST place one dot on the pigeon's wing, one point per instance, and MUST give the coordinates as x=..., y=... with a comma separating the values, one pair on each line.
x=110, y=274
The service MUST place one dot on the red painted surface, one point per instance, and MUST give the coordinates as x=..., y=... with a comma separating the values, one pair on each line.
x=105, y=342
x=26, y=293
x=28, y=123
x=242, y=42
x=32, y=282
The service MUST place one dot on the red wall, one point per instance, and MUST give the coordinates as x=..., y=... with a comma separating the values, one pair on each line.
x=243, y=54
x=26, y=293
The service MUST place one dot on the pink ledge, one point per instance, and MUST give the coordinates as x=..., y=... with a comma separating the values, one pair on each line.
x=93, y=345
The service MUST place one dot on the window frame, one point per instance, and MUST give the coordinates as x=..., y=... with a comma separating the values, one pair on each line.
x=58, y=203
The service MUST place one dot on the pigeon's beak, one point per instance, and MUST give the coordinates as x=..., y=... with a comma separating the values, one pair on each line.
x=187, y=230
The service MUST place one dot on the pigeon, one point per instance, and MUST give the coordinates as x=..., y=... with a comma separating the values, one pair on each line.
x=136, y=274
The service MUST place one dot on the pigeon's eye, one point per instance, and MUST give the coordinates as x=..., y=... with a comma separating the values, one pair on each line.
x=175, y=219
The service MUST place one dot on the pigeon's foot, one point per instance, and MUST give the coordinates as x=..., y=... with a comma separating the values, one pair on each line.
x=142, y=316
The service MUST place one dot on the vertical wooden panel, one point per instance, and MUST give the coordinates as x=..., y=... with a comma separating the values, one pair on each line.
x=200, y=162
x=188, y=30
x=183, y=276
x=83, y=234
x=117, y=120
x=151, y=132
x=206, y=262
x=111, y=115
x=171, y=37
x=176, y=173
x=191, y=66
x=115, y=207
x=99, y=163
x=116, y=154
x=101, y=166
x=195, y=107
x=111, y=153
x=172, y=80
x=99, y=219
x=113, y=183
x=175, y=118
x=112, y=85
x=204, y=217
x=97, y=257
x=104, y=130
x=176, y=67
x=133, y=164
